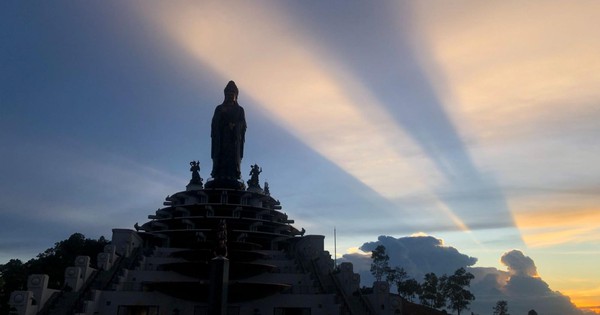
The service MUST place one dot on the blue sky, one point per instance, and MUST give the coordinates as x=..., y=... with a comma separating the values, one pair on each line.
x=473, y=122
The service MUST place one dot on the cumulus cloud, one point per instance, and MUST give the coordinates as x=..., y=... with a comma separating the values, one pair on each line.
x=418, y=255
x=520, y=285
x=519, y=264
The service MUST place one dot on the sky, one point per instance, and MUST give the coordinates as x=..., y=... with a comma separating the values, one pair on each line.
x=472, y=125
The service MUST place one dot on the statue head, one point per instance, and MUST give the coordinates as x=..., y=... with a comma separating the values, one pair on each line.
x=231, y=91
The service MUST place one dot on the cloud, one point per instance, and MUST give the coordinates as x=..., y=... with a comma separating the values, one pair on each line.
x=519, y=264
x=520, y=83
x=513, y=74
x=520, y=285
x=439, y=111
x=571, y=218
x=322, y=99
x=418, y=255
x=72, y=189
x=309, y=98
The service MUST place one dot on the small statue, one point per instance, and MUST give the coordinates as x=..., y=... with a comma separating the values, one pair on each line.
x=195, y=169
x=254, y=172
x=266, y=190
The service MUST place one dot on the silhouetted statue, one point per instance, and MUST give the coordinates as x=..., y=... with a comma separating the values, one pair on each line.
x=195, y=169
x=255, y=170
x=228, y=132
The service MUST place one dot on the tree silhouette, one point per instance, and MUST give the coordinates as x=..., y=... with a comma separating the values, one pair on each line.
x=432, y=290
x=12, y=278
x=458, y=296
x=379, y=265
x=435, y=292
x=53, y=262
x=409, y=289
x=501, y=308
x=395, y=275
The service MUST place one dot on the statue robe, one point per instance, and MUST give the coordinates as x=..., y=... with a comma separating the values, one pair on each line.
x=228, y=131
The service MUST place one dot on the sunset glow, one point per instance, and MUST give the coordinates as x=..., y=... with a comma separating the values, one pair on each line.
x=472, y=122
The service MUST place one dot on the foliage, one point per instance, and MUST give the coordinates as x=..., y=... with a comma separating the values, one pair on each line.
x=458, y=296
x=379, y=265
x=53, y=262
x=409, y=289
x=395, y=275
x=432, y=291
x=435, y=292
x=11, y=276
x=501, y=308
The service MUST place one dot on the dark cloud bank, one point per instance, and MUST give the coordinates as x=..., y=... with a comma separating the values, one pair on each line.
x=521, y=286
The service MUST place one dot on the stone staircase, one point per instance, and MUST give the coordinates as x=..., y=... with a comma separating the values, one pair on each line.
x=69, y=303
x=356, y=304
x=66, y=302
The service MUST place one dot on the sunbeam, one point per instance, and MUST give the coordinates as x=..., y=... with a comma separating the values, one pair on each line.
x=320, y=103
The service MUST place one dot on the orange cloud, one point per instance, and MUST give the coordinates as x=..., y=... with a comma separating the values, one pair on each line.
x=585, y=298
x=515, y=77
x=504, y=65
x=550, y=227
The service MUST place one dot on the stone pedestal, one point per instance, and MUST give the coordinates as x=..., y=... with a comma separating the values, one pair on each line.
x=228, y=183
x=219, y=280
x=191, y=187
